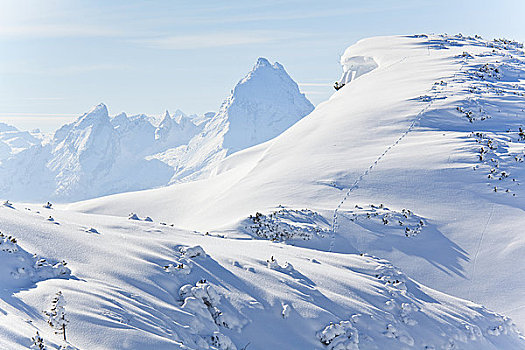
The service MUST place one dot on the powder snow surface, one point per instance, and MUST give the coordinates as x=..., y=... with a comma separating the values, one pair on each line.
x=383, y=219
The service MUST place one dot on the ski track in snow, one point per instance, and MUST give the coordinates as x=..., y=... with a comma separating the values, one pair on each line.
x=479, y=247
x=355, y=185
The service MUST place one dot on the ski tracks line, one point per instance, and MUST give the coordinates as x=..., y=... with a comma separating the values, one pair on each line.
x=479, y=247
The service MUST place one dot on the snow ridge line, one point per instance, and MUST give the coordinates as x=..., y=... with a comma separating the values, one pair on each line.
x=355, y=185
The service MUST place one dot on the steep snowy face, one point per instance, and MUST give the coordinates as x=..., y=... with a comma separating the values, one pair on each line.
x=13, y=141
x=262, y=105
x=136, y=135
x=162, y=132
x=83, y=152
x=175, y=131
x=93, y=156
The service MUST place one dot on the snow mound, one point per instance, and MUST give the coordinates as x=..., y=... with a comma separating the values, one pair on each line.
x=406, y=317
x=21, y=269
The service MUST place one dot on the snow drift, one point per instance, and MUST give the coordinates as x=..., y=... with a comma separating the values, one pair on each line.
x=343, y=232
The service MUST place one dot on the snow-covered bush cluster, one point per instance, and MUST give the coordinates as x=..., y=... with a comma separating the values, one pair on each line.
x=20, y=265
x=56, y=316
x=183, y=263
x=498, y=156
x=287, y=224
x=390, y=275
x=133, y=216
x=405, y=319
x=212, y=314
x=340, y=336
x=8, y=243
x=203, y=293
x=375, y=217
x=274, y=265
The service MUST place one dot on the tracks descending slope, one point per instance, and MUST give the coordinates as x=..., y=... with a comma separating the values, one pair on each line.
x=355, y=185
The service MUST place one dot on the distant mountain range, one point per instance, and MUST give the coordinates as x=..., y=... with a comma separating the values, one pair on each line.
x=98, y=155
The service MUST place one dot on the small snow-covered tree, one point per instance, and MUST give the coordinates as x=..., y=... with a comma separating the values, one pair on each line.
x=56, y=316
x=38, y=342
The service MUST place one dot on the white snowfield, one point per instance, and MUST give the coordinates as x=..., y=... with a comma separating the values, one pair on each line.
x=384, y=219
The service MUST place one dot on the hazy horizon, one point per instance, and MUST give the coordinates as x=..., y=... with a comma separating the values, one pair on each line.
x=66, y=56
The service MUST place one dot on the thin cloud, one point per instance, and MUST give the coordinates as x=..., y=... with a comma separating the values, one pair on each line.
x=315, y=84
x=57, y=31
x=210, y=40
x=44, y=98
x=22, y=114
x=63, y=70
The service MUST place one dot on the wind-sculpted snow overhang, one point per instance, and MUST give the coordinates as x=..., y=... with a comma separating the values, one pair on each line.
x=356, y=66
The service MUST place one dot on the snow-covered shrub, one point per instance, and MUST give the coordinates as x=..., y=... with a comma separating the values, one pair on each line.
x=8, y=243
x=192, y=252
x=287, y=224
x=20, y=265
x=182, y=266
x=222, y=342
x=376, y=217
x=502, y=325
x=390, y=275
x=56, y=316
x=204, y=296
x=38, y=342
x=339, y=336
x=183, y=263
x=497, y=156
x=211, y=312
x=272, y=263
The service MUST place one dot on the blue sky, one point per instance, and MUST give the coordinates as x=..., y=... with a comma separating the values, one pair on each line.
x=59, y=58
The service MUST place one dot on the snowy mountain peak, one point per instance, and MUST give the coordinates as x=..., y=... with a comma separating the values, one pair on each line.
x=100, y=109
x=263, y=75
x=164, y=127
x=263, y=104
x=7, y=127
x=261, y=61
x=98, y=114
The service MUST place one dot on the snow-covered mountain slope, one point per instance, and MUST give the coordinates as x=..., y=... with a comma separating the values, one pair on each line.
x=97, y=155
x=261, y=106
x=429, y=124
x=167, y=288
x=93, y=156
x=13, y=140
